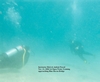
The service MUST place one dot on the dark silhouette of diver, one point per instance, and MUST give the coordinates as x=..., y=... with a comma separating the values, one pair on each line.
x=14, y=58
x=77, y=48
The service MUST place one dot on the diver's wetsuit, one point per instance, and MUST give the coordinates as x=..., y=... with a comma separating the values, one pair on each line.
x=15, y=59
x=77, y=48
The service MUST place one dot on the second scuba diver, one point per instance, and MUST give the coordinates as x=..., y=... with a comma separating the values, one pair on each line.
x=77, y=48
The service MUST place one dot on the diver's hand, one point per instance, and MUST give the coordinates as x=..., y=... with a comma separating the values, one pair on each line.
x=85, y=61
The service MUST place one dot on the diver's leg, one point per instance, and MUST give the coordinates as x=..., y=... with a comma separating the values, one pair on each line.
x=81, y=56
x=87, y=53
x=1, y=63
x=3, y=60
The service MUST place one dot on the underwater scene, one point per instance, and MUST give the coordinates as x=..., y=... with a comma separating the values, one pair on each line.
x=49, y=41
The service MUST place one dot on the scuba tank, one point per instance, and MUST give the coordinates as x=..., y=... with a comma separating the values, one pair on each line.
x=15, y=58
x=14, y=51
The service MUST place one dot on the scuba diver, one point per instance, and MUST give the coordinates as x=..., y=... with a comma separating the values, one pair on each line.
x=15, y=58
x=77, y=48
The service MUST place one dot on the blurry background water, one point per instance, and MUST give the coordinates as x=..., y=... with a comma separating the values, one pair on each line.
x=47, y=26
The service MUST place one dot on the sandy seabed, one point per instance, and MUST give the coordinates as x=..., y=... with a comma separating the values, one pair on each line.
x=74, y=75
x=29, y=73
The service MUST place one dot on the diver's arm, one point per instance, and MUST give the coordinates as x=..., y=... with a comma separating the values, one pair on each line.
x=72, y=51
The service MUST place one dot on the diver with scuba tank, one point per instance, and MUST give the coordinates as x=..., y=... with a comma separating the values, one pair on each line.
x=76, y=47
x=15, y=58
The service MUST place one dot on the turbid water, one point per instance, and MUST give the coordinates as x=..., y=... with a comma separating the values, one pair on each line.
x=47, y=26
